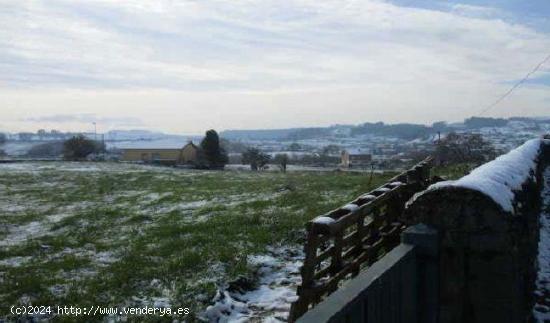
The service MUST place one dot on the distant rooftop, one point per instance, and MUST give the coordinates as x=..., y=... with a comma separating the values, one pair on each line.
x=149, y=144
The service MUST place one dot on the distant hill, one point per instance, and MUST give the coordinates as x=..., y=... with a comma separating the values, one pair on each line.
x=478, y=122
x=134, y=134
x=406, y=131
x=400, y=130
x=258, y=134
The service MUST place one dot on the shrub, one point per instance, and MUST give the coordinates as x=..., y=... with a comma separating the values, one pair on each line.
x=78, y=147
x=256, y=158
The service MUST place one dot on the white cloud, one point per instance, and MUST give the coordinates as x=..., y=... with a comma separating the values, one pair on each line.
x=476, y=11
x=85, y=118
x=418, y=64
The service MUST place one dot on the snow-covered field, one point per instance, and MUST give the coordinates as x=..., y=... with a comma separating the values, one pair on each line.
x=132, y=235
x=541, y=310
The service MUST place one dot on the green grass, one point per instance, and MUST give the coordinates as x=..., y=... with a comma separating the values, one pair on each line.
x=454, y=171
x=167, y=233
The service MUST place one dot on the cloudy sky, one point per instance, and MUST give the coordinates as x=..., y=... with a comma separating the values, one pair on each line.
x=186, y=66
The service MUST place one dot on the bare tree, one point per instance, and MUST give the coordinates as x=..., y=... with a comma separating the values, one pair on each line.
x=464, y=148
x=257, y=159
x=282, y=161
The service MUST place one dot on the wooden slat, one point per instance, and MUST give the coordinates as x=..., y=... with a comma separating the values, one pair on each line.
x=356, y=238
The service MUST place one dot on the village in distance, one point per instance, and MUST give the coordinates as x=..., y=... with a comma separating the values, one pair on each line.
x=366, y=146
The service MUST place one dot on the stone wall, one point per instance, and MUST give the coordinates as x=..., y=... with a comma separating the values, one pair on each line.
x=487, y=254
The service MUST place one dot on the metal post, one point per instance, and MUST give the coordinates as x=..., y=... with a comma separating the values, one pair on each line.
x=95, y=131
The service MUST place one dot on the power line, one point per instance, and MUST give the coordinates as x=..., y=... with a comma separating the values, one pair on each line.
x=502, y=97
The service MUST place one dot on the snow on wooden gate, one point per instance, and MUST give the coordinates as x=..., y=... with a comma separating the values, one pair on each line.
x=342, y=242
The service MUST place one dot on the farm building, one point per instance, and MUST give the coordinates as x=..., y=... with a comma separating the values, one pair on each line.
x=174, y=156
x=354, y=159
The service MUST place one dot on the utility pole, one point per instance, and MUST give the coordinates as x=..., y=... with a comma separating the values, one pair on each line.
x=95, y=131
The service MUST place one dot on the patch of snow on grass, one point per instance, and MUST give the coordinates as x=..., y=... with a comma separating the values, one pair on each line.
x=36, y=229
x=14, y=208
x=239, y=199
x=14, y=205
x=15, y=261
x=76, y=275
x=54, y=218
x=182, y=206
x=87, y=167
x=58, y=290
x=105, y=257
x=162, y=301
x=23, y=233
x=153, y=197
x=279, y=275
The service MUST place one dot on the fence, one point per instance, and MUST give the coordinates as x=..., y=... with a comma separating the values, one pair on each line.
x=486, y=231
x=346, y=240
x=399, y=288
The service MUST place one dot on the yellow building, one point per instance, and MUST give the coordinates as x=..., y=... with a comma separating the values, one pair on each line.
x=188, y=154
x=349, y=159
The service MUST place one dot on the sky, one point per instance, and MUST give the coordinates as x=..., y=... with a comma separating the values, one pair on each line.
x=188, y=66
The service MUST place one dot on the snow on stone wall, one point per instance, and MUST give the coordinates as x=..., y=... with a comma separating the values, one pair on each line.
x=499, y=178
